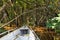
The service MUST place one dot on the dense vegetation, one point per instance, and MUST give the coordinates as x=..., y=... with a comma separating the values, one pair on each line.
x=12, y=8
x=47, y=10
x=54, y=23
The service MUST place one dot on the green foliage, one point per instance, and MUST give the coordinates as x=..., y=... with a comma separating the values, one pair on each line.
x=2, y=30
x=54, y=23
x=1, y=3
x=47, y=7
x=10, y=11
